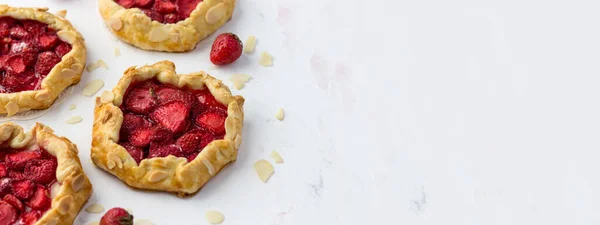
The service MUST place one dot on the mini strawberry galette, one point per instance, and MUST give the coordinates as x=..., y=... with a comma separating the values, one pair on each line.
x=40, y=55
x=41, y=179
x=165, y=25
x=163, y=131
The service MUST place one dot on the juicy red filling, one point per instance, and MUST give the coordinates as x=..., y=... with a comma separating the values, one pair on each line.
x=161, y=120
x=163, y=11
x=25, y=180
x=28, y=51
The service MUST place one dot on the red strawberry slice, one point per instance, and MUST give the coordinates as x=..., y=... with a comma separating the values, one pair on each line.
x=173, y=116
x=40, y=200
x=213, y=121
x=140, y=100
x=186, y=7
x=30, y=217
x=143, y=3
x=14, y=201
x=166, y=94
x=16, y=175
x=192, y=156
x=156, y=16
x=126, y=3
x=159, y=150
x=45, y=62
x=135, y=152
x=47, y=42
x=62, y=49
x=162, y=135
x=18, y=32
x=23, y=189
x=42, y=171
x=8, y=214
x=20, y=82
x=171, y=18
x=35, y=27
x=206, y=99
x=3, y=170
x=24, y=46
x=19, y=160
x=141, y=137
x=5, y=24
x=132, y=122
x=190, y=142
x=5, y=186
x=16, y=64
x=165, y=6
x=207, y=139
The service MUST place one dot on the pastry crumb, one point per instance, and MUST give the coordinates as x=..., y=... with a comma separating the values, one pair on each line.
x=72, y=107
x=214, y=217
x=250, y=44
x=239, y=80
x=143, y=222
x=266, y=59
x=263, y=169
x=117, y=52
x=74, y=120
x=92, y=87
x=276, y=157
x=61, y=13
x=94, y=208
x=279, y=114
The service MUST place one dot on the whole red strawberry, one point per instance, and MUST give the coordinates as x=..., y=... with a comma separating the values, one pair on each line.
x=226, y=49
x=117, y=216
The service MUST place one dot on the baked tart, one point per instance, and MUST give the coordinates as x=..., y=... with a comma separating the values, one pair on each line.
x=165, y=25
x=41, y=54
x=159, y=130
x=41, y=178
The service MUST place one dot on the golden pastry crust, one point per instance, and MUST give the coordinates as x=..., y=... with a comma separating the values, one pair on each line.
x=64, y=74
x=134, y=27
x=75, y=187
x=169, y=173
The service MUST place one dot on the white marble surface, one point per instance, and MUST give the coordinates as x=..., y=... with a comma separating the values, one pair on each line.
x=397, y=112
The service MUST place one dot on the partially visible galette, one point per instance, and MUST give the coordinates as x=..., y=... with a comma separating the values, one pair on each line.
x=165, y=25
x=163, y=131
x=41, y=178
x=40, y=55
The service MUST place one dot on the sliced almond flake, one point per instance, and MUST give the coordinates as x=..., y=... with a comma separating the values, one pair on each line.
x=266, y=59
x=263, y=169
x=11, y=108
x=239, y=80
x=117, y=52
x=102, y=64
x=95, y=65
x=157, y=176
x=209, y=166
x=214, y=217
x=276, y=157
x=72, y=107
x=74, y=120
x=61, y=13
x=64, y=204
x=158, y=34
x=94, y=223
x=54, y=189
x=215, y=14
x=279, y=114
x=78, y=182
x=107, y=96
x=92, y=66
x=250, y=44
x=142, y=222
x=92, y=87
x=115, y=23
x=67, y=36
x=95, y=208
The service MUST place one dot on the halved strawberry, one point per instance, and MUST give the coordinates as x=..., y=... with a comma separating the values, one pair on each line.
x=45, y=62
x=3, y=170
x=162, y=135
x=141, y=137
x=207, y=100
x=192, y=156
x=41, y=199
x=140, y=100
x=143, y=3
x=18, y=160
x=18, y=32
x=126, y=3
x=5, y=24
x=207, y=138
x=135, y=152
x=5, y=186
x=35, y=27
x=62, y=49
x=47, y=42
x=24, y=46
x=14, y=201
x=19, y=82
x=160, y=150
x=42, y=171
x=16, y=64
x=132, y=122
x=167, y=93
x=8, y=214
x=23, y=189
x=156, y=16
x=30, y=217
x=186, y=7
x=190, y=141
x=213, y=121
x=173, y=116
x=165, y=6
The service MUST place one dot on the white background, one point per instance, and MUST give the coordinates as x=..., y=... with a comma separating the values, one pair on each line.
x=397, y=112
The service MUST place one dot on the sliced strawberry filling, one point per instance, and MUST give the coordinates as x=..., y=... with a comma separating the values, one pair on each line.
x=25, y=180
x=163, y=11
x=28, y=51
x=161, y=120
